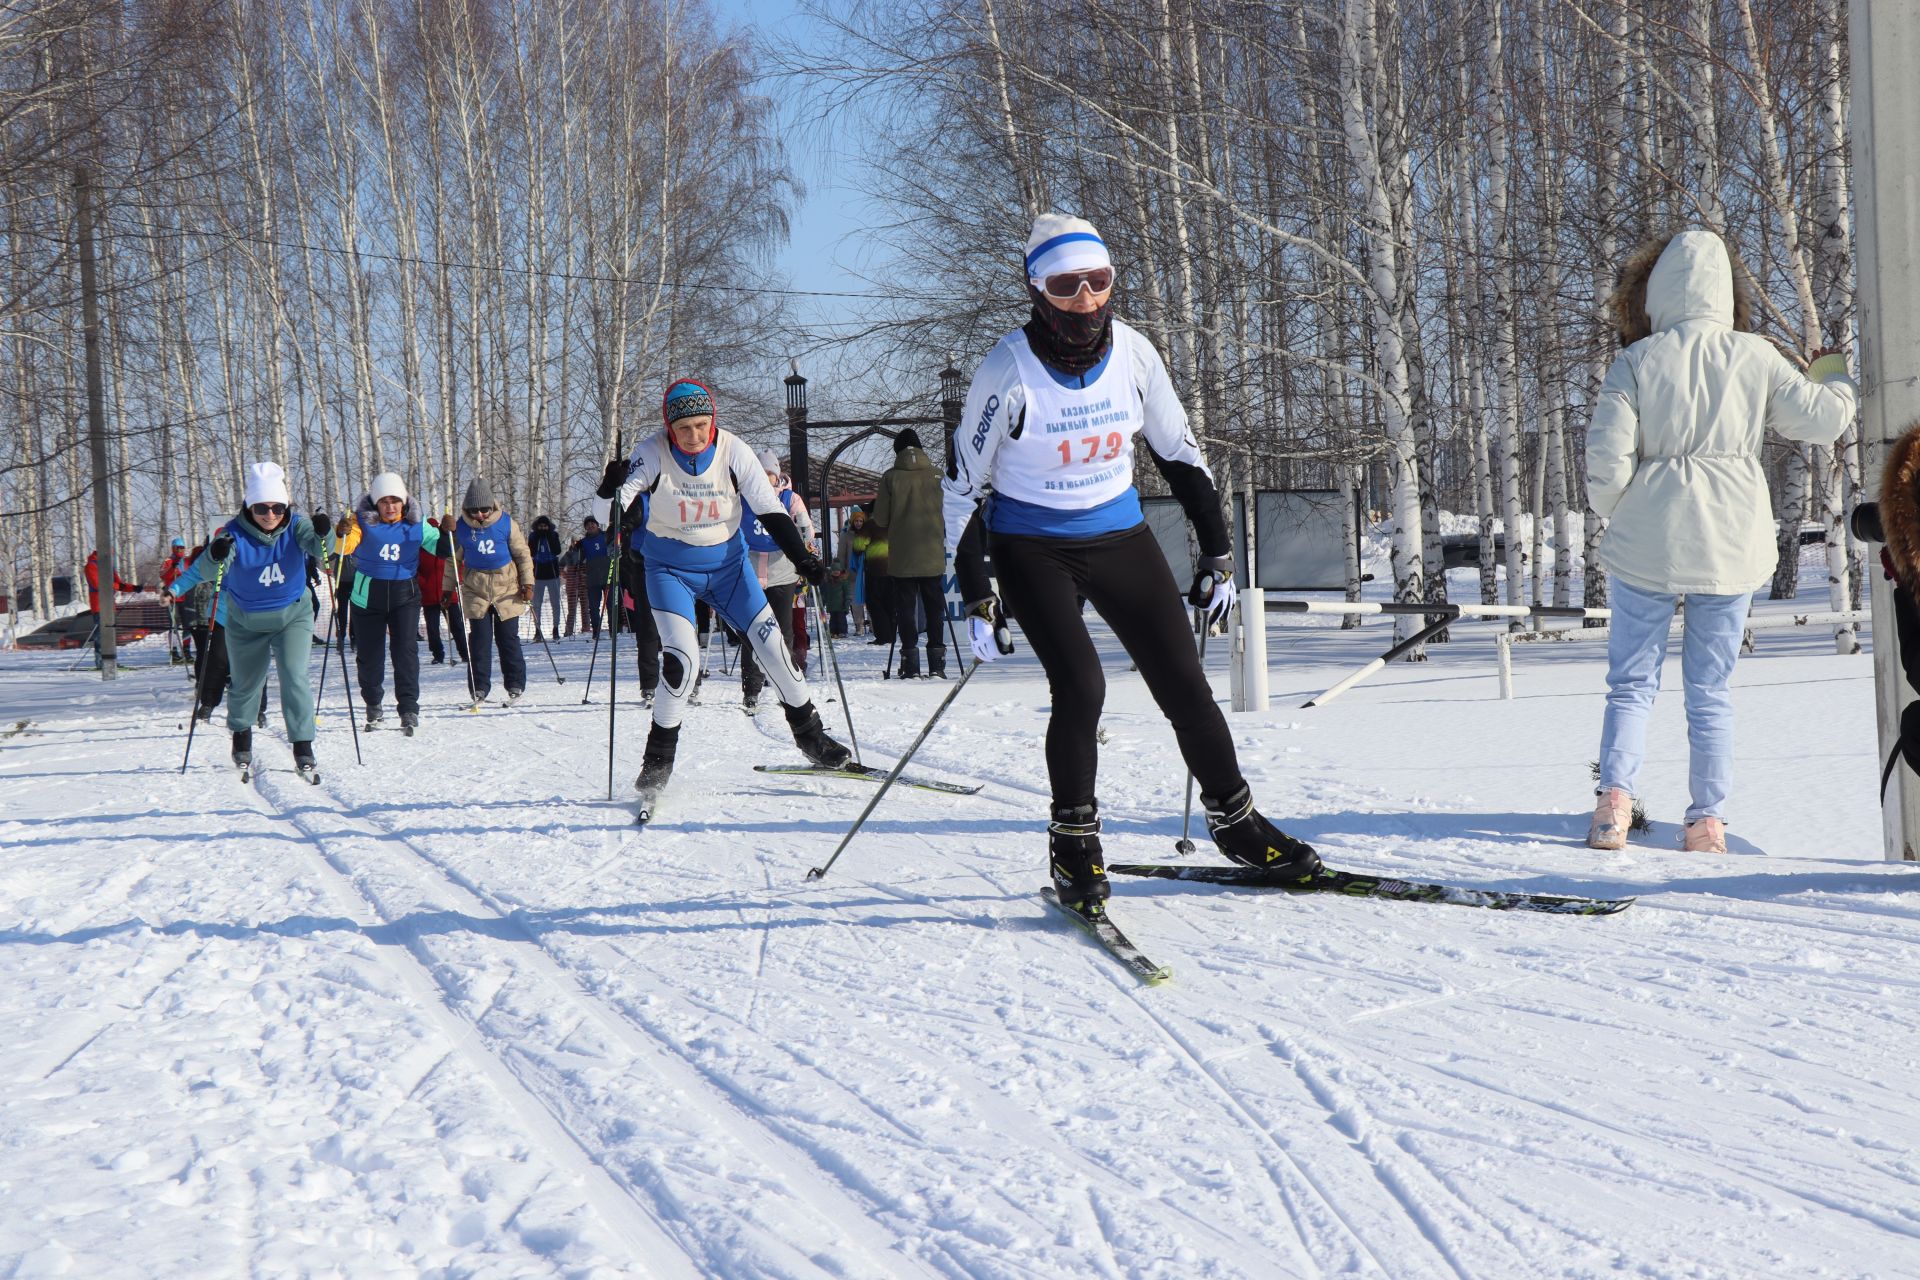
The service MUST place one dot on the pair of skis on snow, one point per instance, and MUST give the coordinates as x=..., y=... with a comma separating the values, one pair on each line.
x=1101, y=928
x=1352, y=884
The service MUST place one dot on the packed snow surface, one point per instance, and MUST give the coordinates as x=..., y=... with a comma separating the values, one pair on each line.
x=451, y=1014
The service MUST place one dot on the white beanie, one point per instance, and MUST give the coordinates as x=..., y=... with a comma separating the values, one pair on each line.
x=387, y=484
x=1060, y=243
x=266, y=482
x=769, y=461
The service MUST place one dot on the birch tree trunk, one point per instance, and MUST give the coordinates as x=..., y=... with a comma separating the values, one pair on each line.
x=1506, y=372
x=1357, y=51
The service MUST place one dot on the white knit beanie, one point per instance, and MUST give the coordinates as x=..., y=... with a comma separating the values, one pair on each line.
x=387, y=484
x=1060, y=243
x=266, y=482
x=769, y=461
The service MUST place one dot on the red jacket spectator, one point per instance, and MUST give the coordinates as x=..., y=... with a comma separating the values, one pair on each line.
x=435, y=589
x=175, y=565
x=93, y=582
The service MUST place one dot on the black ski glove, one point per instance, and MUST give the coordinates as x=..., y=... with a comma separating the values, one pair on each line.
x=811, y=567
x=613, y=477
x=220, y=548
x=322, y=523
x=1213, y=588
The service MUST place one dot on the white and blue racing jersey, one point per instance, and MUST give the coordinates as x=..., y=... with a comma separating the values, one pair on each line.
x=1057, y=448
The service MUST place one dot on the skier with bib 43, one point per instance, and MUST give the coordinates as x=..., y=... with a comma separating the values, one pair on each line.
x=385, y=602
x=1049, y=422
x=700, y=481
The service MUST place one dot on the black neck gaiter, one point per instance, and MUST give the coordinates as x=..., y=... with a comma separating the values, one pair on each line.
x=1070, y=341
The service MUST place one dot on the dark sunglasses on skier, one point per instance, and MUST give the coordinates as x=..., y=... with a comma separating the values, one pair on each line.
x=268, y=509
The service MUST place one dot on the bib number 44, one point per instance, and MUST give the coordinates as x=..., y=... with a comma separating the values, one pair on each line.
x=271, y=576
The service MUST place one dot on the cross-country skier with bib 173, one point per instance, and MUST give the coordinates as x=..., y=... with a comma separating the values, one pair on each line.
x=700, y=479
x=260, y=559
x=1049, y=426
x=386, y=595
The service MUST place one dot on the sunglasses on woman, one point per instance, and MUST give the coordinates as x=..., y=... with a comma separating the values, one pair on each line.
x=477, y=512
x=1068, y=284
x=268, y=508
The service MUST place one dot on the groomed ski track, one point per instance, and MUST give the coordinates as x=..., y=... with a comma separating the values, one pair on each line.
x=452, y=1012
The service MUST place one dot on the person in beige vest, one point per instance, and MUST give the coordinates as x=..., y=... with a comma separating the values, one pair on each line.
x=496, y=584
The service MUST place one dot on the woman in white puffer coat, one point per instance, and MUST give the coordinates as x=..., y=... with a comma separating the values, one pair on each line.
x=1673, y=460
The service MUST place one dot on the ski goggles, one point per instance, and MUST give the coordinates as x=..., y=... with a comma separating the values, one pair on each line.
x=1068, y=284
x=268, y=508
x=477, y=512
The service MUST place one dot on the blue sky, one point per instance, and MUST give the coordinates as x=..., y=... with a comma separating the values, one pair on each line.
x=830, y=210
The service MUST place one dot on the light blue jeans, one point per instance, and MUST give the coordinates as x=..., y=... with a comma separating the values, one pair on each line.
x=1636, y=650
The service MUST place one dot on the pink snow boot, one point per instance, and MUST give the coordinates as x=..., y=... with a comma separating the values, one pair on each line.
x=1611, y=818
x=1706, y=835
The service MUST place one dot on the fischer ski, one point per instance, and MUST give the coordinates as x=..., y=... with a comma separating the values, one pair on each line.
x=1355, y=885
x=867, y=773
x=1101, y=928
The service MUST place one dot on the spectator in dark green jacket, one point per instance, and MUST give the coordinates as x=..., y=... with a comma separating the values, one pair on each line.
x=908, y=508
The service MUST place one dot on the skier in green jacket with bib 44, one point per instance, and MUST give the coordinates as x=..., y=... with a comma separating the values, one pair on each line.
x=260, y=559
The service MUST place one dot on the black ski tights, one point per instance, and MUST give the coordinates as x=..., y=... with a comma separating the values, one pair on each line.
x=1125, y=577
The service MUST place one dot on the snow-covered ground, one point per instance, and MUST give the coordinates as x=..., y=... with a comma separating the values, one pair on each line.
x=450, y=1014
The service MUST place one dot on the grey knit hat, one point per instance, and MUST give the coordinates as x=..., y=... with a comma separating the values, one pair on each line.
x=479, y=496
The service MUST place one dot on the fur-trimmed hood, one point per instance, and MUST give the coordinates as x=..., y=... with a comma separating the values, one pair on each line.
x=1900, y=504
x=1686, y=276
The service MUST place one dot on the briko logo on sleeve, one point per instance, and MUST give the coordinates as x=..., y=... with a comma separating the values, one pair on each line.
x=986, y=421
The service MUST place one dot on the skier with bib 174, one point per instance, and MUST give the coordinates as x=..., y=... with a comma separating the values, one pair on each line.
x=1049, y=422
x=700, y=479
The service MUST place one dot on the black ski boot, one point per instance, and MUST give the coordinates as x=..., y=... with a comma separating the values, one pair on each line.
x=374, y=716
x=937, y=663
x=243, y=751
x=1073, y=855
x=303, y=762
x=910, y=664
x=203, y=713
x=811, y=737
x=1249, y=839
x=409, y=721
x=656, y=766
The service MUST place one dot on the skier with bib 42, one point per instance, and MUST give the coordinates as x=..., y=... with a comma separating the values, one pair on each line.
x=1049, y=422
x=700, y=481
x=496, y=585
